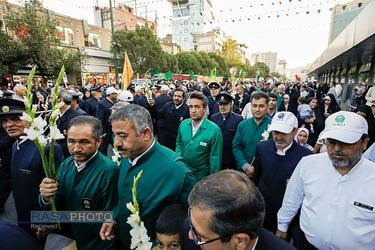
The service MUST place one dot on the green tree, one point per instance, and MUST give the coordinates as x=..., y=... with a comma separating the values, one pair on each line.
x=222, y=70
x=12, y=56
x=171, y=63
x=143, y=49
x=263, y=68
x=208, y=63
x=36, y=30
x=201, y=62
x=230, y=52
x=188, y=63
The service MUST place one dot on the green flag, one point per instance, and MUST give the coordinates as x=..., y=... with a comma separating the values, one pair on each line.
x=155, y=72
x=213, y=74
x=180, y=72
x=243, y=75
x=192, y=76
x=169, y=75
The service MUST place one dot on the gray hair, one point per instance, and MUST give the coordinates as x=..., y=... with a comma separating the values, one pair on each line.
x=119, y=105
x=236, y=204
x=88, y=120
x=18, y=87
x=66, y=96
x=137, y=115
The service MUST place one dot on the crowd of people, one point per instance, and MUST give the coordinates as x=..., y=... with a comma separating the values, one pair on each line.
x=246, y=165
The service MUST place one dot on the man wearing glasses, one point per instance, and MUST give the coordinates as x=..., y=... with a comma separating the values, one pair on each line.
x=227, y=211
x=334, y=191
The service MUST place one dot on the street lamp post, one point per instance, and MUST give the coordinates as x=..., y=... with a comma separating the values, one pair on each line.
x=114, y=47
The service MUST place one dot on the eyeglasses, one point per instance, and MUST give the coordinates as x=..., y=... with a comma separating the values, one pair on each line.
x=13, y=120
x=195, y=234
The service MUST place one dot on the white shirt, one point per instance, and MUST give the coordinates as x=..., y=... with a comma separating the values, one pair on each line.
x=330, y=217
x=83, y=165
x=283, y=152
x=195, y=129
x=246, y=112
x=134, y=161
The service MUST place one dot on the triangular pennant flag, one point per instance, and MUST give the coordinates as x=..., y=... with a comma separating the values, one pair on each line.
x=359, y=5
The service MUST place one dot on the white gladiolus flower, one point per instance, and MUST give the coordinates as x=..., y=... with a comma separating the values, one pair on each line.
x=133, y=220
x=265, y=135
x=35, y=107
x=55, y=113
x=42, y=140
x=40, y=123
x=26, y=101
x=55, y=133
x=139, y=236
x=59, y=105
x=144, y=246
x=26, y=117
x=32, y=134
x=130, y=206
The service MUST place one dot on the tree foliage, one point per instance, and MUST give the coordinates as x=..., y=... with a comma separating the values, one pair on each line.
x=230, y=52
x=143, y=49
x=188, y=63
x=12, y=56
x=36, y=32
x=263, y=69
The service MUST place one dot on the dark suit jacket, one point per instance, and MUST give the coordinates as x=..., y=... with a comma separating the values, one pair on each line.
x=245, y=100
x=63, y=124
x=103, y=112
x=90, y=108
x=213, y=106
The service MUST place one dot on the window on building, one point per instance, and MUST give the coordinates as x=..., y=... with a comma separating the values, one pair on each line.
x=94, y=41
x=65, y=35
x=185, y=22
x=185, y=39
x=185, y=12
x=186, y=30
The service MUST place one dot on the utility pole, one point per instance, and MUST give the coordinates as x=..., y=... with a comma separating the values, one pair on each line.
x=114, y=47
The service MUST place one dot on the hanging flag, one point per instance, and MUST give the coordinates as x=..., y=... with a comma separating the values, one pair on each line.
x=127, y=73
x=256, y=77
x=318, y=11
x=213, y=74
x=359, y=5
x=192, y=76
x=243, y=76
x=169, y=75
x=344, y=7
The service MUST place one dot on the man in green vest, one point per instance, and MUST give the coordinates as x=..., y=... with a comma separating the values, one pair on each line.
x=200, y=141
x=166, y=179
x=87, y=181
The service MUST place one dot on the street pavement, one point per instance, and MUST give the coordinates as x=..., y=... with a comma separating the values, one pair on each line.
x=54, y=241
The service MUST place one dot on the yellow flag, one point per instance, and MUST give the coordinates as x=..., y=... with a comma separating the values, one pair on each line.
x=127, y=73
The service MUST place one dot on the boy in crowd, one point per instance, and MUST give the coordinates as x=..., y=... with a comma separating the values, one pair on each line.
x=168, y=227
x=304, y=112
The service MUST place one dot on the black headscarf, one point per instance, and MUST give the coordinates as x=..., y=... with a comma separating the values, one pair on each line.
x=370, y=121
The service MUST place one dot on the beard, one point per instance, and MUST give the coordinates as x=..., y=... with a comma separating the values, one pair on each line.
x=224, y=111
x=344, y=163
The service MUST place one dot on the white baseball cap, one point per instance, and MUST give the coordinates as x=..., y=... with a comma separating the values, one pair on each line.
x=165, y=88
x=283, y=122
x=126, y=96
x=345, y=126
x=112, y=90
x=138, y=88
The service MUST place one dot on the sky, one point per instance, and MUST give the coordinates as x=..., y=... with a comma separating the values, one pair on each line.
x=296, y=29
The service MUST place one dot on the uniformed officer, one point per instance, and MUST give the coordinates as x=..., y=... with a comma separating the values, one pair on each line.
x=227, y=122
x=103, y=112
x=93, y=101
x=213, y=107
x=26, y=167
x=76, y=101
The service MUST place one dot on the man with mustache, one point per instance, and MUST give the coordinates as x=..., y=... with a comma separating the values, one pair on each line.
x=228, y=122
x=166, y=178
x=334, y=190
x=87, y=181
x=275, y=161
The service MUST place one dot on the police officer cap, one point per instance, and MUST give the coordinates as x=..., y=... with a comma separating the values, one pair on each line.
x=11, y=106
x=96, y=89
x=224, y=97
x=6, y=93
x=214, y=85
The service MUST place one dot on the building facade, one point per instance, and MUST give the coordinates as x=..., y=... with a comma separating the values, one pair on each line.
x=190, y=18
x=269, y=58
